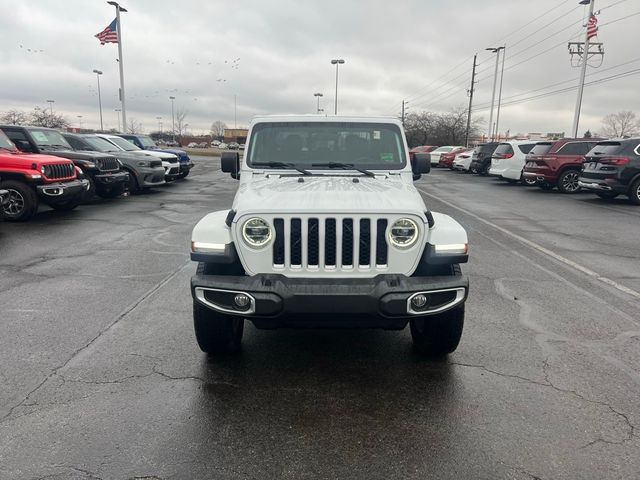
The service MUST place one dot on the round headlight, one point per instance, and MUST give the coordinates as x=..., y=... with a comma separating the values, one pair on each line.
x=403, y=233
x=256, y=232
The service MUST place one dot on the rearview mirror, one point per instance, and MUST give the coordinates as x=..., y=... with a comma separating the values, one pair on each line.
x=421, y=164
x=230, y=163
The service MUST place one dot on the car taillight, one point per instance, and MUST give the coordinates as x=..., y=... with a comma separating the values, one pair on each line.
x=614, y=161
x=507, y=155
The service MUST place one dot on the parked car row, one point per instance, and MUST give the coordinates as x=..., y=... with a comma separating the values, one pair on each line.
x=63, y=170
x=608, y=168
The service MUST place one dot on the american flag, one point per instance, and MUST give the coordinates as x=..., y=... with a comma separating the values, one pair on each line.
x=592, y=27
x=109, y=34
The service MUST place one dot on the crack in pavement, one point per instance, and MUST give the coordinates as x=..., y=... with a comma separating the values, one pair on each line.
x=122, y=315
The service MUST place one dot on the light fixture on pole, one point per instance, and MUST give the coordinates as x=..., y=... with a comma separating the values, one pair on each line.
x=495, y=50
x=317, y=95
x=51, y=102
x=118, y=110
x=120, y=63
x=98, y=73
x=336, y=62
x=173, y=120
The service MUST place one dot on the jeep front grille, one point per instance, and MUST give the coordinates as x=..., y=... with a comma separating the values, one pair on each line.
x=107, y=164
x=58, y=171
x=329, y=243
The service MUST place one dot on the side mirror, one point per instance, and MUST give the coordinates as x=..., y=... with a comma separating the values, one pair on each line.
x=230, y=163
x=421, y=164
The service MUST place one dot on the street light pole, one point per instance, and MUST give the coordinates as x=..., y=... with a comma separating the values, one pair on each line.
x=159, y=123
x=583, y=72
x=118, y=110
x=98, y=73
x=173, y=120
x=80, y=121
x=495, y=50
x=504, y=54
x=317, y=95
x=51, y=102
x=336, y=62
x=120, y=64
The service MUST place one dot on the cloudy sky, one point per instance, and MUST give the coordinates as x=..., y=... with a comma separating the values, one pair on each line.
x=272, y=55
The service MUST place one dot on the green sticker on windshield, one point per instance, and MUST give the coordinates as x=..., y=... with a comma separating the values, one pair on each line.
x=39, y=137
x=386, y=157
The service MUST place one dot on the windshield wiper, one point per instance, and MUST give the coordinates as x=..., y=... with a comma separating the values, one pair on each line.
x=344, y=166
x=281, y=165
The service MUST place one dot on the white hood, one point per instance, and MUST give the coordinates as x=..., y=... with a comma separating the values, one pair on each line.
x=328, y=194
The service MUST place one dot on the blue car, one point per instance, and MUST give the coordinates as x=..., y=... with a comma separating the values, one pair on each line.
x=145, y=142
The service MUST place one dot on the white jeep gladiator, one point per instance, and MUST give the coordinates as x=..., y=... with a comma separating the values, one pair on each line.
x=327, y=231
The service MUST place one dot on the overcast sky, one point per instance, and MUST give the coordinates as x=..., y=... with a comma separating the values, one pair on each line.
x=419, y=50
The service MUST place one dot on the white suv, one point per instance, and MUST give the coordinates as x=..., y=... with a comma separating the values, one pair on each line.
x=327, y=231
x=507, y=161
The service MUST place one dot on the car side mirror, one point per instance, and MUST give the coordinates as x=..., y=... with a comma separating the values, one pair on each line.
x=24, y=146
x=421, y=164
x=230, y=163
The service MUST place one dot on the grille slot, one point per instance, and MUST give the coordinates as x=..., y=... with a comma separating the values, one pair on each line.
x=313, y=239
x=381, y=243
x=278, y=244
x=107, y=164
x=296, y=242
x=58, y=170
x=347, y=242
x=364, y=257
x=155, y=163
x=330, y=242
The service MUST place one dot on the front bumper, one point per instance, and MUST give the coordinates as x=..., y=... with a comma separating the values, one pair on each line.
x=380, y=302
x=150, y=176
x=110, y=179
x=172, y=173
x=186, y=166
x=59, y=192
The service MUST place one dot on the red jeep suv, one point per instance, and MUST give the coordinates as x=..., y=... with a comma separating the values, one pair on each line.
x=557, y=163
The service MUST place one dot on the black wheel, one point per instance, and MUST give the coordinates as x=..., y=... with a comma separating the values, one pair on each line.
x=634, y=192
x=568, y=181
x=607, y=195
x=439, y=334
x=132, y=184
x=216, y=332
x=528, y=181
x=66, y=206
x=473, y=169
x=22, y=201
x=110, y=192
x=484, y=170
x=88, y=195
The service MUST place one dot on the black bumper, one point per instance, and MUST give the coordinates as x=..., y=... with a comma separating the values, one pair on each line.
x=110, y=179
x=380, y=302
x=60, y=192
x=186, y=167
x=602, y=183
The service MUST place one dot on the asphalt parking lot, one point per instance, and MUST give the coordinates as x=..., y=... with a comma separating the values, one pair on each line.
x=102, y=378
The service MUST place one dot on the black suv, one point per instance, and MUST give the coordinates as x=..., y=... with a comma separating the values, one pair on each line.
x=102, y=170
x=612, y=168
x=481, y=158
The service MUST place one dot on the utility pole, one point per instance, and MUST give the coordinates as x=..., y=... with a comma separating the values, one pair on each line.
x=471, y=89
x=317, y=95
x=583, y=72
x=504, y=54
x=98, y=73
x=120, y=64
x=403, y=102
x=173, y=120
x=495, y=50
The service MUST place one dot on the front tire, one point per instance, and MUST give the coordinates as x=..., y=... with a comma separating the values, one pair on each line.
x=22, y=203
x=634, y=192
x=438, y=335
x=132, y=185
x=216, y=332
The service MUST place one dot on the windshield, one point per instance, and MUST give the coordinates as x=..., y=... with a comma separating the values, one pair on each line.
x=147, y=141
x=364, y=145
x=49, y=138
x=123, y=144
x=541, y=148
x=100, y=144
x=6, y=143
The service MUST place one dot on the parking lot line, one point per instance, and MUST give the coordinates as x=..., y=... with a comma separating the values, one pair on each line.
x=540, y=248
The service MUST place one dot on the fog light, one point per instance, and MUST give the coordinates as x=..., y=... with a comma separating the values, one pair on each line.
x=419, y=301
x=242, y=301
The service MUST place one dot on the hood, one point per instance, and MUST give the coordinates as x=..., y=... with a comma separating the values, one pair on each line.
x=159, y=154
x=174, y=151
x=21, y=160
x=334, y=193
x=80, y=155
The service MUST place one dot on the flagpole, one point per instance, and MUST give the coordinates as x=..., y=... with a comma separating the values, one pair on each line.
x=119, y=29
x=583, y=72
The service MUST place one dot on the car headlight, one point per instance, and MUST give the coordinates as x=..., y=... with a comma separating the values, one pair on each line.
x=256, y=232
x=120, y=164
x=403, y=233
x=143, y=164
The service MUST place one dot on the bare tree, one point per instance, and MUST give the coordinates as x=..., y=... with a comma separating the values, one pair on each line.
x=428, y=128
x=621, y=124
x=217, y=129
x=41, y=117
x=133, y=126
x=14, y=117
x=181, y=125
